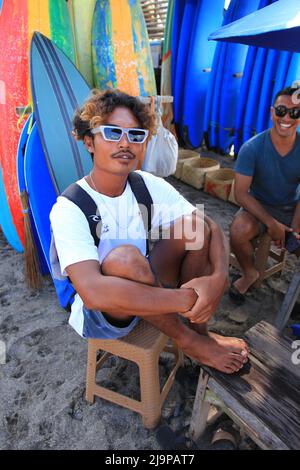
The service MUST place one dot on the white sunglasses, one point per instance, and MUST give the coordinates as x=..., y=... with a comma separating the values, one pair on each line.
x=115, y=134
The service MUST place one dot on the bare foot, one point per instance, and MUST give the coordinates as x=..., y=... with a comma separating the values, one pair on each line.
x=239, y=343
x=246, y=281
x=226, y=355
x=236, y=342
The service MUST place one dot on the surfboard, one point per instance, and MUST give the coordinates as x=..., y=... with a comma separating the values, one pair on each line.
x=181, y=61
x=175, y=35
x=6, y=221
x=194, y=88
x=58, y=89
x=40, y=189
x=234, y=62
x=166, y=87
x=249, y=125
x=82, y=20
x=42, y=196
x=241, y=105
x=18, y=20
x=22, y=186
x=284, y=61
x=293, y=72
x=213, y=98
x=263, y=110
x=121, y=52
x=246, y=127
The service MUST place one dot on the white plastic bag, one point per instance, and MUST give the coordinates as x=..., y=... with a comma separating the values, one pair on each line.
x=161, y=153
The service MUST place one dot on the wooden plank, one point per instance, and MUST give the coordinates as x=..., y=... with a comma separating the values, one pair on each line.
x=269, y=346
x=269, y=389
x=200, y=408
x=288, y=302
x=254, y=427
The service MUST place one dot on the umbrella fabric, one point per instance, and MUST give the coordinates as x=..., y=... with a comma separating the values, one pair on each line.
x=276, y=26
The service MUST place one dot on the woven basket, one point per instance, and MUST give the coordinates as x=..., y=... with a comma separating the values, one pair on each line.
x=218, y=183
x=231, y=197
x=183, y=156
x=194, y=171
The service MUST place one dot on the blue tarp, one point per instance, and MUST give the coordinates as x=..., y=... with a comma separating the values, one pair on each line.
x=276, y=26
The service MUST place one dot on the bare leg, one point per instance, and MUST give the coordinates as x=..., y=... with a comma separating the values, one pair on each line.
x=187, y=265
x=127, y=262
x=243, y=229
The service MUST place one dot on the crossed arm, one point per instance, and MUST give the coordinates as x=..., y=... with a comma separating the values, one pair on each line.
x=120, y=296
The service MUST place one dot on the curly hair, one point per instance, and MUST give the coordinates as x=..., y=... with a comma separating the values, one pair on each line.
x=96, y=110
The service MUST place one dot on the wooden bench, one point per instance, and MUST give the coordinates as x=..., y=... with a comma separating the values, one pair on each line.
x=263, y=399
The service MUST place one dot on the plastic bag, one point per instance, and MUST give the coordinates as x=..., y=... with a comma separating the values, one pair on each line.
x=161, y=153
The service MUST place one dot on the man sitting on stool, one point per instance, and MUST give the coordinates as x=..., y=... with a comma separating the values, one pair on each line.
x=267, y=187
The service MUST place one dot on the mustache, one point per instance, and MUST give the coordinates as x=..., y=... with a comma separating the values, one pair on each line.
x=122, y=152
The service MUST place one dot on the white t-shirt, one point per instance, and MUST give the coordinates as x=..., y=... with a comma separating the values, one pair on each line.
x=121, y=224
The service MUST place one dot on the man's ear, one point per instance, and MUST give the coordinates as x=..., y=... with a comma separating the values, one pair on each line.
x=89, y=143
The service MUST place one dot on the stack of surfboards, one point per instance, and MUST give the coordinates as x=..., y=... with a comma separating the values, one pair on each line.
x=18, y=20
x=57, y=88
x=222, y=91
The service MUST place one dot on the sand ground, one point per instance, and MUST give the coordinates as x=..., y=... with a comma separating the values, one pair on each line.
x=42, y=385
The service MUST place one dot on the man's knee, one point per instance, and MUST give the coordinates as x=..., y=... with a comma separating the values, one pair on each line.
x=196, y=233
x=244, y=227
x=128, y=262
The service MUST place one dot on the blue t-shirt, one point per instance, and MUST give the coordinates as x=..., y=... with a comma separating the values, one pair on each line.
x=276, y=179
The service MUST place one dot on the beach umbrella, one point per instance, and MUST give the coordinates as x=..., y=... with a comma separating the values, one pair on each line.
x=276, y=26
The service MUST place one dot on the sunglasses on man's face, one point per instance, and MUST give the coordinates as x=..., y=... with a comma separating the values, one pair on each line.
x=115, y=134
x=282, y=110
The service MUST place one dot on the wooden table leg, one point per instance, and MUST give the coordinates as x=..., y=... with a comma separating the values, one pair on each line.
x=200, y=408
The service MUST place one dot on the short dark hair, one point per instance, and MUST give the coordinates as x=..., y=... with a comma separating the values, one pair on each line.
x=102, y=103
x=288, y=91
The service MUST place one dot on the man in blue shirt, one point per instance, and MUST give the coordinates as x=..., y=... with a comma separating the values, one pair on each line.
x=267, y=186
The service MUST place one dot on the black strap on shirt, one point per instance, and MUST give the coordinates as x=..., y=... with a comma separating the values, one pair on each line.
x=86, y=203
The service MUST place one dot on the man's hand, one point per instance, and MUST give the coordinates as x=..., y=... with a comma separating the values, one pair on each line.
x=276, y=230
x=210, y=290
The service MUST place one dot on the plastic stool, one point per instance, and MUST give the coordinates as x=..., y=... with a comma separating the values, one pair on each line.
x=143, y=346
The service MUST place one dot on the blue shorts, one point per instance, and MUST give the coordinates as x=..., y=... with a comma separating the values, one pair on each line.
x=284, y=214
x=97, y=326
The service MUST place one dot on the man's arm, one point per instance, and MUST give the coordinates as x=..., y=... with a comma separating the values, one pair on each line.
x=210, y=288
x=296, y=219
x=121, y=296
x=276, y=230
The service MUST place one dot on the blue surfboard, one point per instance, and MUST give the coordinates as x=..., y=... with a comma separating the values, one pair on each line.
x=22, y=186
x=42, y=196
x=6, y=221
x=181, y=61
x=230, y=81
x=58, y=89
x=198, y=71
x=21, y=152
x=263, y=110
x=243, y=113
x=249, y=125
x=213, y=96
x=241, y=105
x=281, y=74
x=293, y=72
